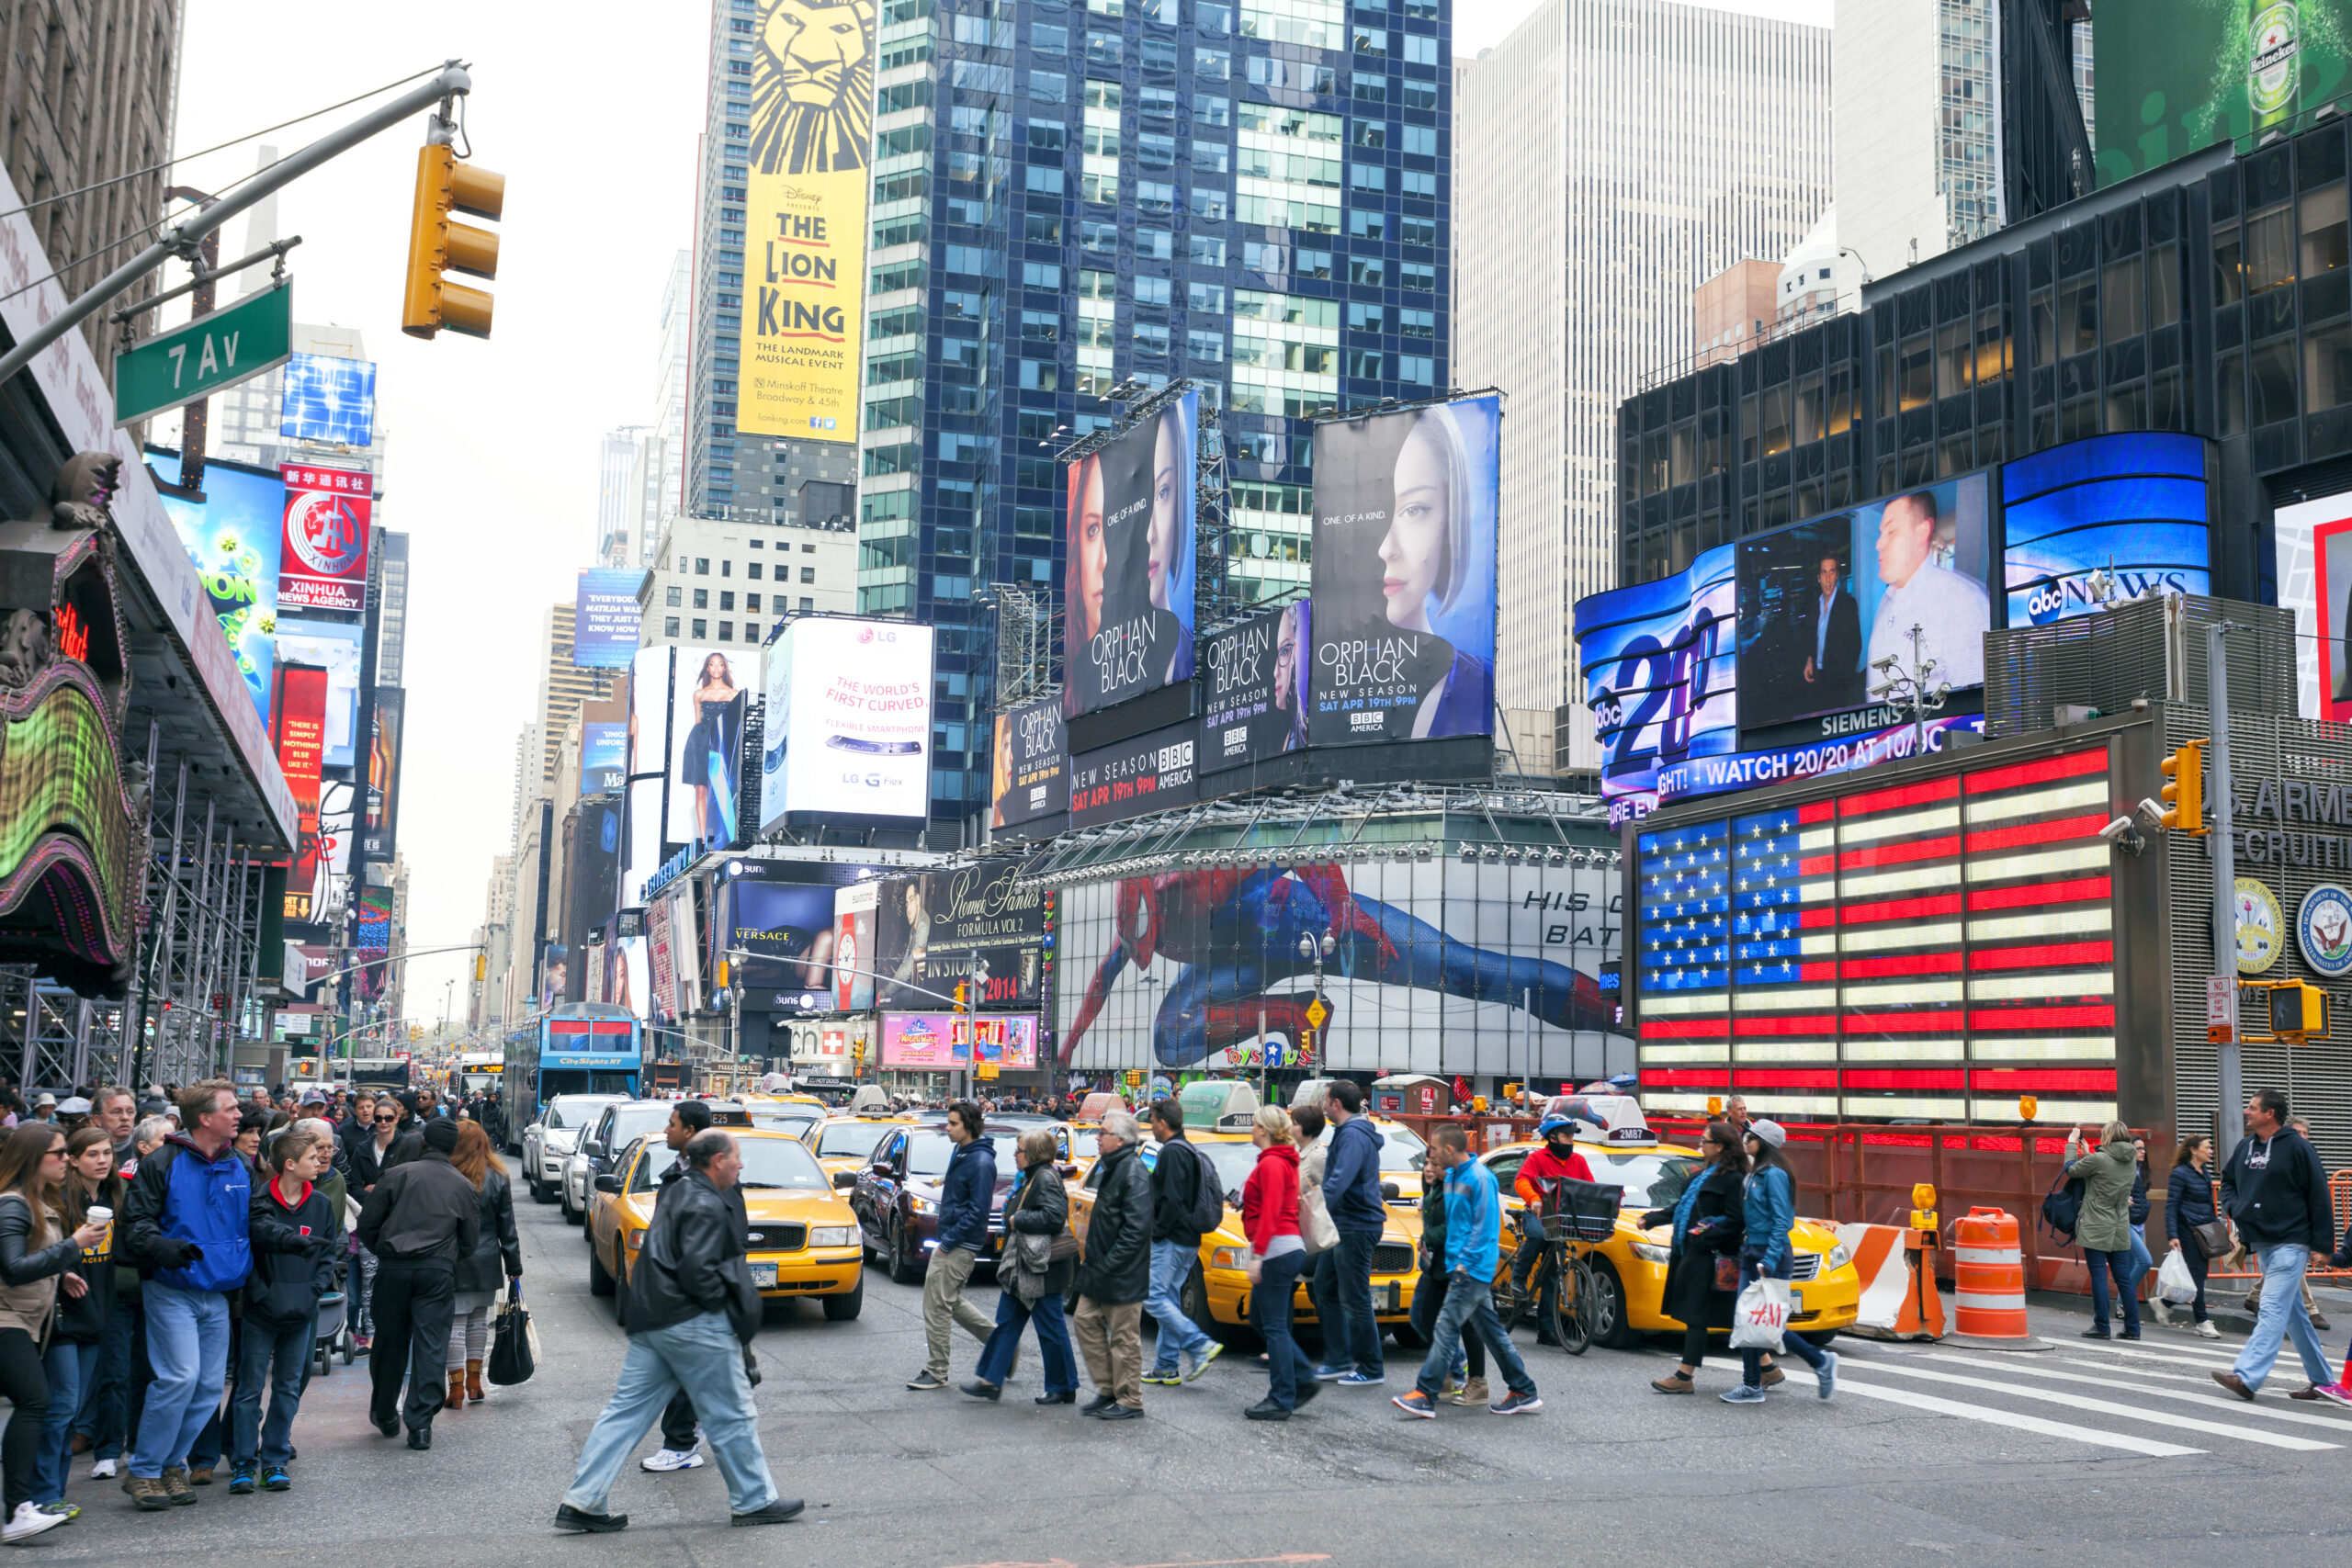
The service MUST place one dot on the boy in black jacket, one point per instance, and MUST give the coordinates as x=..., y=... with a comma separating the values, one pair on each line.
x=295, y=1235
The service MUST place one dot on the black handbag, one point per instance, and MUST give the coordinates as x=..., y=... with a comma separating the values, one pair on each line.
x=2214, y=1236
x=512, y=1359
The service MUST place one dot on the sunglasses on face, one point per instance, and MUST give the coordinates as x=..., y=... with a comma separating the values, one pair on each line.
x=386, y=1118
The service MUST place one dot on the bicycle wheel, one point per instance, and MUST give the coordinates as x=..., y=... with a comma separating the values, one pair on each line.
x=1575, y=1295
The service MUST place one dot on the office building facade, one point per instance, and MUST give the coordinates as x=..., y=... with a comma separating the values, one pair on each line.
x=1068, y=197
x=1614, y=155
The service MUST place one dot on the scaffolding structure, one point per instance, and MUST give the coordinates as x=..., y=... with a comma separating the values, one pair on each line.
x=1025, y=635
x=193, y=994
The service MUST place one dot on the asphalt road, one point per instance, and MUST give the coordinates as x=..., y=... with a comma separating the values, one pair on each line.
x=1928, y=1454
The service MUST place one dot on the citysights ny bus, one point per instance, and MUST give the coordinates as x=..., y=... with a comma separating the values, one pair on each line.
x=578, y=1048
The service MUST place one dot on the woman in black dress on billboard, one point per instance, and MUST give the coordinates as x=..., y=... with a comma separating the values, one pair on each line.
x=716, y=730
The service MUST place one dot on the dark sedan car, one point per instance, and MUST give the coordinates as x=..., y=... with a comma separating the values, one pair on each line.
x=897, y=1196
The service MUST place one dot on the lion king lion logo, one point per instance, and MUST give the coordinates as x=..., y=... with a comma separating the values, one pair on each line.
x=812, y=87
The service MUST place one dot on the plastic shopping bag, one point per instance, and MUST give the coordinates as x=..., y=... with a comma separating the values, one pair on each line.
x=1761, y=1315
x=2175, y=1285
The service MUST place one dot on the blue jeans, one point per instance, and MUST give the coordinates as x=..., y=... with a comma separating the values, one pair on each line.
x=1318, y=1275
x=279, y=1356
x=2282, y=1317
x=704, y=1355
x=187, y=1342
x=1269, y=1309
x=1471, y=1301
x=1358, y=1340
x=1751, y=1359
x=2126, y=1272
x=1053, y=1341
x=72, y=1369
x=1172, y=1265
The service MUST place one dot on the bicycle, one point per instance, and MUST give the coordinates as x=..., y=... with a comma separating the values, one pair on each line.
x=1577, y=1216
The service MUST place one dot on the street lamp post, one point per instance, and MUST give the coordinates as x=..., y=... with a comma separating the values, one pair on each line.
x=1307, y=948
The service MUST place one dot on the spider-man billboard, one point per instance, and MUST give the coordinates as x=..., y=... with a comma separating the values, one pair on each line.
x=1436, y=966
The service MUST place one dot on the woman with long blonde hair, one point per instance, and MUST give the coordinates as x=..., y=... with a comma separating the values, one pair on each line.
x=477, y=1273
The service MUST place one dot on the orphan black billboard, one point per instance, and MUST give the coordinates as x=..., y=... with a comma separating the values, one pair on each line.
x=1128, y=513
x=1403, y=575
x=1253, y=689
x=1030, y=773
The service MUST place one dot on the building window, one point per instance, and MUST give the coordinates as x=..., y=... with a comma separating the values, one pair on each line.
x=808, y=574
x=701, y=628
x=702, y=566
x=702, y=598
x=807, y=603
x=727, y=569
x=752, y=570
x=751, y=602
x=668, y=625
x=727, y=601
x=672, y=598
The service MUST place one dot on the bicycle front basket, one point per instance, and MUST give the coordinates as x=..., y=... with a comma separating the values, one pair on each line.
x=1588, y=1210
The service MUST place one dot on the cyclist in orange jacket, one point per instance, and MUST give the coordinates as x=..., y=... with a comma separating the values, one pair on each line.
x=1540, y=1176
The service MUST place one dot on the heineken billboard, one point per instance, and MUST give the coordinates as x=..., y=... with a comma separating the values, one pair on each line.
x=2178, y=75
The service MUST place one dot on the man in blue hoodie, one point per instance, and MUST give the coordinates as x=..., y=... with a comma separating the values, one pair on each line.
x=184, y=1222
x=1473, y=1222
x=967, y=1198
x=1352, y=1193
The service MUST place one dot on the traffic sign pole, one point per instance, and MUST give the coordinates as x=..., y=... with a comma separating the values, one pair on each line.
x=2225, y=877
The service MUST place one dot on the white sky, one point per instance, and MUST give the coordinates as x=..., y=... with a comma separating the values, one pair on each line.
x=493, y=445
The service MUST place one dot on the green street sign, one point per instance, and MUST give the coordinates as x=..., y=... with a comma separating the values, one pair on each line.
x=209, y=355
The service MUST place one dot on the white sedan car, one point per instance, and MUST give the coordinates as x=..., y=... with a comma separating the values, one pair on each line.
x=549, y=1141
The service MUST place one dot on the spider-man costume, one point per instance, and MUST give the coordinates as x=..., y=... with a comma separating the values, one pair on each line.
x=1236, y=934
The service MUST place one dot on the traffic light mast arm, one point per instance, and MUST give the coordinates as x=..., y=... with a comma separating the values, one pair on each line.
x=180, y=240
x=850, y=969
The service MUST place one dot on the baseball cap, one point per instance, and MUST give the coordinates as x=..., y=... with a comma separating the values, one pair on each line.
x=1769, y=1134
x=74, y=1105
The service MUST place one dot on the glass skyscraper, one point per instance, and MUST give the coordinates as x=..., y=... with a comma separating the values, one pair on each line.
x=1071, y=193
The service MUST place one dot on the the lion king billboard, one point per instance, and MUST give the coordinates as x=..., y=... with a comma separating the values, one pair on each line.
x=812, y=134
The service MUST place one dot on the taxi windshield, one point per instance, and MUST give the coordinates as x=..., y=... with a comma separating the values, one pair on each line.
x=853, y=1140
x=778, y=1162
x=1651, y=1180
x=1401, y=1149
x=1232, y=1162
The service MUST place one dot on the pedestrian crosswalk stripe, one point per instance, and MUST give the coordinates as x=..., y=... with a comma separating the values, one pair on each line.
x=2212, y=1362
x=2023, y=1423
x=2107, y=1408
x=2219, y=1402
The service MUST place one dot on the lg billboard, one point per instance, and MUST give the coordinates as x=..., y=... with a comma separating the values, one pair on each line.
x=848, y=723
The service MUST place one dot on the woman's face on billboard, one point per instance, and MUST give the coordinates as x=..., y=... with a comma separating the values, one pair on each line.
x=1285, y=657
x=1089, y=543
x=1167, y=503
x=1413, y=553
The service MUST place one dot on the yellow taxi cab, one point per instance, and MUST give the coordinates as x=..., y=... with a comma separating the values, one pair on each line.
x=1217, y=1295
x=793, y=1113
x=803, y=1237
x=1630, y=1267
x=844, y=1144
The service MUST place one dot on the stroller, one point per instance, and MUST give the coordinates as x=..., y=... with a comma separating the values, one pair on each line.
x=334, y=1331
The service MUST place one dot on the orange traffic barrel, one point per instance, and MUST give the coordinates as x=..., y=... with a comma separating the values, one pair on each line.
x=1988, y=1280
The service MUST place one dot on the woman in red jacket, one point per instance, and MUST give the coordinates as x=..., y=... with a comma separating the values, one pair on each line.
x=1277, y=1253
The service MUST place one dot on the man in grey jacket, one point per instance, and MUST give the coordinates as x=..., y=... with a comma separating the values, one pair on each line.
x=692, y=1308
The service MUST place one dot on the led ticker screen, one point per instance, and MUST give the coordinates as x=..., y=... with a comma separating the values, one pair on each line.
x=1931, y=949
x=2133, y=506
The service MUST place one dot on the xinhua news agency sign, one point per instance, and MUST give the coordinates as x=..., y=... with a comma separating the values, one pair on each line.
x=209, y=355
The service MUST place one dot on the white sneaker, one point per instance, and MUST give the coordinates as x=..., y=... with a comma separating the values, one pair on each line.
x=671, y=1459
x=27, y=1522
x=105, y=1470
x=2207, y=1331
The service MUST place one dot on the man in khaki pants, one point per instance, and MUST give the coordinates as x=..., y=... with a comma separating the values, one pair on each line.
x=967, y=1198
x=1116, y=1274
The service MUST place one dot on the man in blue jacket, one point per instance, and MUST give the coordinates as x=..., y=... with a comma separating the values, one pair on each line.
x=967, y=1198
x=185, y=1224
x=1473, y=1222
x=1352, y=1193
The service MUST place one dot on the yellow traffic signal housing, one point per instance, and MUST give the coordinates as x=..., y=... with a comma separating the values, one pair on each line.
x=438, y=245
x=2184, y=790
x=481, y=967
x=2298, y=1009
x=960, y=993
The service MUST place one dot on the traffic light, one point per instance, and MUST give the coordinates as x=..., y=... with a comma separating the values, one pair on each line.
x=436, y=245
x=481, y=967
x=963, y=990
x=2184, y=790
x=415, y=1032
x=2298, y=1009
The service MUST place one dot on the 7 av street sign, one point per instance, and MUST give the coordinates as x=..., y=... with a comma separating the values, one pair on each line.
x=209, y=355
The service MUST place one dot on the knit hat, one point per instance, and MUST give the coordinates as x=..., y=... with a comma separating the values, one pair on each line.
x=1769, y=1134
x=441, y=1135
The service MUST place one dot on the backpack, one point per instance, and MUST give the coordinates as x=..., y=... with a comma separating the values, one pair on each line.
x=2062, y=1207
x=1207, y=1212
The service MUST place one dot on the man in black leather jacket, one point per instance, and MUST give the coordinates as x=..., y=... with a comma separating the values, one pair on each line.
x=692, y=1307
x=419, y=1220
